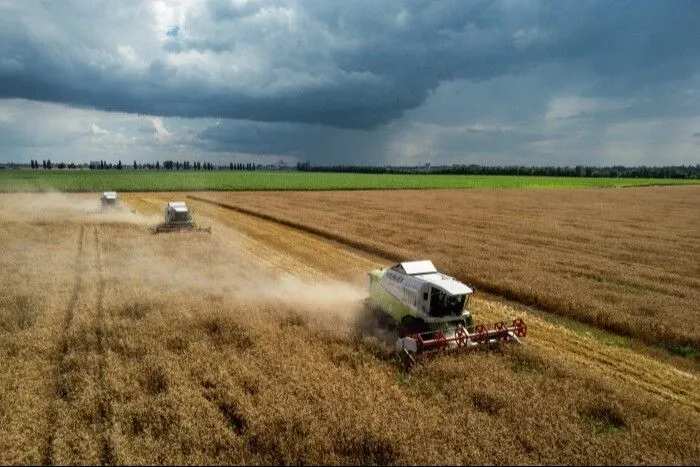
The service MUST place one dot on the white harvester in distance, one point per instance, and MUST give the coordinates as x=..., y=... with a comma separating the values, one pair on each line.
x=177, y=218
x=109, y=199
x=431, y=311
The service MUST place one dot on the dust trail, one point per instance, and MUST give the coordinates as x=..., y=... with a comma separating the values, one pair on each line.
x=55, y=206
x=328, y=302
x=221, y=266
x=241, y=280
x=292, y=289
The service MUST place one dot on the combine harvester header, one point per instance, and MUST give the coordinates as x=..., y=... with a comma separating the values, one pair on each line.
x=431, y=311
x=460, y=338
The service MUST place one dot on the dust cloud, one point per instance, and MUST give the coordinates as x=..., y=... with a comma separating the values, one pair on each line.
x=292, y=289
x=58, y=207
x=237, y=277
x=221, y=269
x=190, y=265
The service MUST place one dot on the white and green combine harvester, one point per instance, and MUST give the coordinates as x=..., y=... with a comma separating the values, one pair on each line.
x=109, y=199
x=178, y=218
x=430, y=310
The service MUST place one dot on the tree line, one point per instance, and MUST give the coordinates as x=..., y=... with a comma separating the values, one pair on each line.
x=692, y=172
x=46, y=164
x=618, y=171
x=166, y=165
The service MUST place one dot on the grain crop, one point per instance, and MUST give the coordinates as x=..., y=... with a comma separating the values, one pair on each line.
x=248, y=346
x=625, y=260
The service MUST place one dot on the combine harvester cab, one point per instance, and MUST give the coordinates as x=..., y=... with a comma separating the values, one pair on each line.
x=109, y=199
x=177, y=219
x=430, y=310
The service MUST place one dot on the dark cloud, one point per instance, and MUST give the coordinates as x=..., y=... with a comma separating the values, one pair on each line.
x=355, y=65
x=302, y=142
x=405, y=82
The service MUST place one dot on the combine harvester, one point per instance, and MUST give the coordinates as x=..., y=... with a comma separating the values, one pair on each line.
x=430, y=310
x=177, y=219
x=109, y=200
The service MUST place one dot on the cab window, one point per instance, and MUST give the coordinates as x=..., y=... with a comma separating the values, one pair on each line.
x=444, y=304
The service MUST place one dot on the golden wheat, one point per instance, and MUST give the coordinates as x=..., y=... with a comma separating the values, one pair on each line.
x=621, y=259
x=122, y=347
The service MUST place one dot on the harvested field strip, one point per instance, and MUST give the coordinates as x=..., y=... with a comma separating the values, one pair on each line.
x=101, y=329
x=63, y=346
x=292, y=250
x=38, y=278
x=376, y=250
x=79, y=419
x=527, y=246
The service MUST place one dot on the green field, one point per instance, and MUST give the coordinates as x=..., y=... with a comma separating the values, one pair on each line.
x=94, y=181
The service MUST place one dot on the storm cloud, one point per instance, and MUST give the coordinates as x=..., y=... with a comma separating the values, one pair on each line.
x=349, y=65
x=409, y=80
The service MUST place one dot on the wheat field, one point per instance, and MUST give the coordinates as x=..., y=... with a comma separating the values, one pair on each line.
x=248, y=346
x=626, y=260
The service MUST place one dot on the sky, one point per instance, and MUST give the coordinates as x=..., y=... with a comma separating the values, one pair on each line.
x=491, y=82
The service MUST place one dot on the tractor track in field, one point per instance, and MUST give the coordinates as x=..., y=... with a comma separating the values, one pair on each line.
x=76, y=342
x=105, y=406
x=64, y=343
x=265, y=235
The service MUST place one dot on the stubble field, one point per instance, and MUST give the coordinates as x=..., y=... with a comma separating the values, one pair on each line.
x=248, y=346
